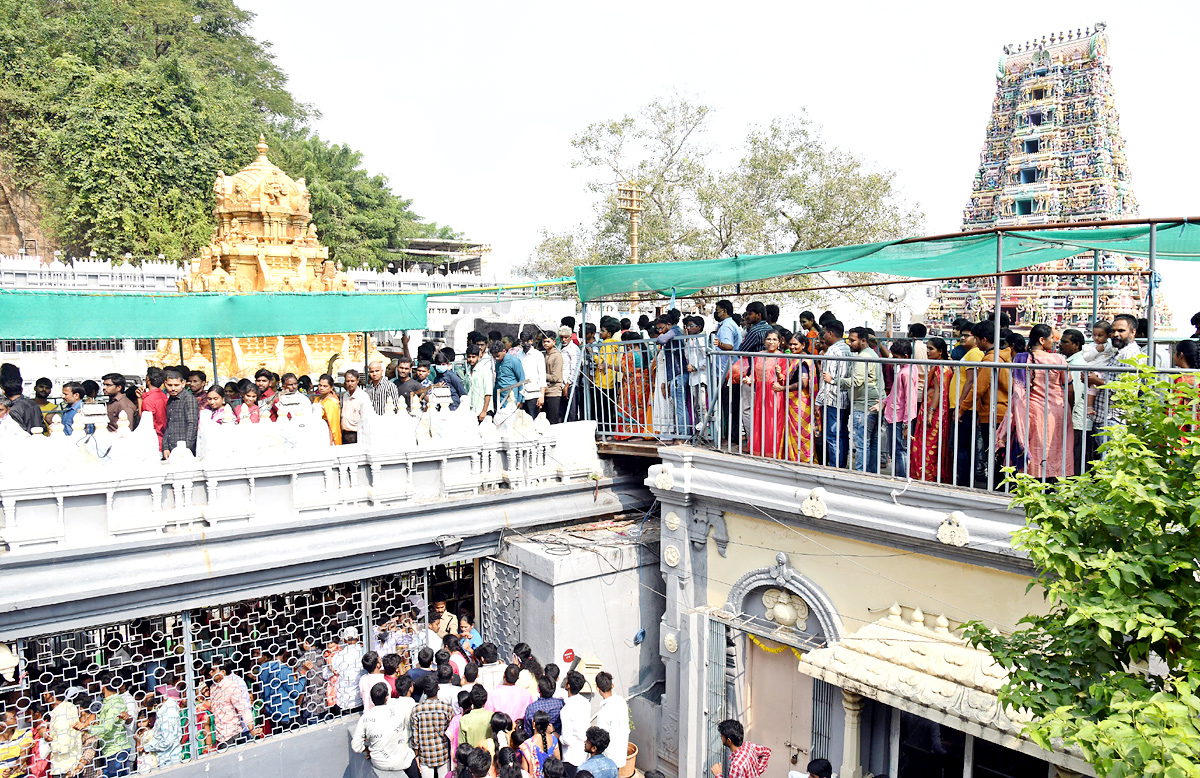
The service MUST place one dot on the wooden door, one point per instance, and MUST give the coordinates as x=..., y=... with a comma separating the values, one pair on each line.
x=780, y=704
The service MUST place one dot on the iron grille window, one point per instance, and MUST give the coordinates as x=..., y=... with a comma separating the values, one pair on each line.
x=19, y=346
x=287, y=650
x=94, y=345
x=145, y=344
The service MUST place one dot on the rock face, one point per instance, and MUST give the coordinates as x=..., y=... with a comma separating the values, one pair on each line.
x=20, y=220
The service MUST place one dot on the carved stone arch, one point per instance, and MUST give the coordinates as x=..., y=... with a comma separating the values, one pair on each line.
x=782, y=574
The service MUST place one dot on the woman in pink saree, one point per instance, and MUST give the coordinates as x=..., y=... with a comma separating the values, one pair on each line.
x=932, y=443
x=767, y=425
x=1038, y=418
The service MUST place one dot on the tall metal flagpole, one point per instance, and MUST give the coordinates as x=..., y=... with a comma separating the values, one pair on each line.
x=629, y=199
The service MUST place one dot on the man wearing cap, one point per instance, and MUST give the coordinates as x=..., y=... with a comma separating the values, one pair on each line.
x=347, y=666
x=165, y=742
x=66, y=742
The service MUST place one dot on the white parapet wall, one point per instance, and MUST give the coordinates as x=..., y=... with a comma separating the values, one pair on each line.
x=78, y=491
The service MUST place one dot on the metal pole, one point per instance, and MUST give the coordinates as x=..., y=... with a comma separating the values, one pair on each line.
x=368, y=634
x=366, y=356
x=1095, y=286
x=181, y=355
x=189, y=674
x=580, y=384
x=1150, y=296
x=212, y=352
x=992, y=395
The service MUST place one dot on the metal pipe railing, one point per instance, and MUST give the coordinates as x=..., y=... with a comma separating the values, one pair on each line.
x=955, y=423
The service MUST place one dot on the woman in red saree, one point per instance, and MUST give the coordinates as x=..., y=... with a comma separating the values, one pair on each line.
x=633, y=407
x=931, y=445
x=767, y=422
x=799, y=419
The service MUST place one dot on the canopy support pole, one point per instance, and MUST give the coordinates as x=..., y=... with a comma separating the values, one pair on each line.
x=1150, y=296
x=212, y=352
x=583, y=354
x=1095, y=286
x=366, y=356
x=992, y=395
x=181, y=354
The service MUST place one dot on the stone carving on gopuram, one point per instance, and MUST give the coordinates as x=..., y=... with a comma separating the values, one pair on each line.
x=1053, y=153
x=264, y=242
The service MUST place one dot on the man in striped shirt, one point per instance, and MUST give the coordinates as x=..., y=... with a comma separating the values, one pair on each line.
x=379, y=389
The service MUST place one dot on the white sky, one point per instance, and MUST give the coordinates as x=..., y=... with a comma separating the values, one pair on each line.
x=469, y=107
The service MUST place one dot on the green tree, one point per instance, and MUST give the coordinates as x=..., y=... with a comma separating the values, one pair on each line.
x=356, y=213
x=789, y=191
x=1113, y=667
x=135, y=156
x=117, y=116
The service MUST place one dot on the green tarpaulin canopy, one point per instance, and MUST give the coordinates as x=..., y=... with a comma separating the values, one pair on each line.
x=963, y=255
x=95, y=315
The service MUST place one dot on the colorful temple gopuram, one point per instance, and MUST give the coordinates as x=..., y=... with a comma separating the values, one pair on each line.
x=1053, y=153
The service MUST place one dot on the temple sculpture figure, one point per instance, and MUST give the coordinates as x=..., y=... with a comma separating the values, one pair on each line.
x=1053, y=153
x=264, y=242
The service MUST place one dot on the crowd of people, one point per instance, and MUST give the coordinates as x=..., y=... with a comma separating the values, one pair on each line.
x=435, y=700
x=848, y=397
x=497, y=376
x=843, y=397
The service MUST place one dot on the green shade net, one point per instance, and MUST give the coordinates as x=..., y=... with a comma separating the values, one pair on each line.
x=89, y=315
x=965, y=255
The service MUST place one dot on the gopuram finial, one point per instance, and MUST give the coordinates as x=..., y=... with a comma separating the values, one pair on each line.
x=262, y=146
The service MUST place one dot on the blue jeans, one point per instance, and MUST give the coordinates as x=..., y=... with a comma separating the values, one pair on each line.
x=898, y=447
x=677, y=387
x=118, y=765
x=865, y=429
x=837, y=439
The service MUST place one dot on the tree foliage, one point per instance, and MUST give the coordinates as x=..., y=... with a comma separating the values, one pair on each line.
x=1114, y=666
x=789, y=191
x=118, y=115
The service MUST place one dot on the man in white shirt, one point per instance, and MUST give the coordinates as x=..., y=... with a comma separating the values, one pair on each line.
x=447, y=691
x=352, y=407
x=491, y=672
x=372, y=674
x=381, y=733
x=533, y=362
x=571, y=360
x=347, y=665
x=576, y=716
x=613, y=718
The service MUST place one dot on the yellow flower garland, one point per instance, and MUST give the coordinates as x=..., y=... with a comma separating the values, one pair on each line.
x=779, y=650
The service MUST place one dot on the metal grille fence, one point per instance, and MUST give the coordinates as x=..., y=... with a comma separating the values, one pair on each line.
x=714, y=703
x=500, y=592
x=141, y=695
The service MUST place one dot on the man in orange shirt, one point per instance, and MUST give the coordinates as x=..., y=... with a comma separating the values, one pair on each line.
x=975, y=403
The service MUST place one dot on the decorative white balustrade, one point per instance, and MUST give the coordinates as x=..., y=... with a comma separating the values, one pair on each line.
x=66, y=492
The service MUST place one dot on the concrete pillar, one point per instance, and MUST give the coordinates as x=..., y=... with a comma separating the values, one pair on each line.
x=683, y=643
x=852, y=736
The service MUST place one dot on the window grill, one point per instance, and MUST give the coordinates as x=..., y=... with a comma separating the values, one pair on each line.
x=198, y=682
x=94, y=345
x=19, y=346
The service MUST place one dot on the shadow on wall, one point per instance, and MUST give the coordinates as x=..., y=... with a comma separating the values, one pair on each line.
x=315, y=752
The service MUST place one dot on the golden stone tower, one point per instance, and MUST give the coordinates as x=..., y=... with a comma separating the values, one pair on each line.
x=264, y=242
